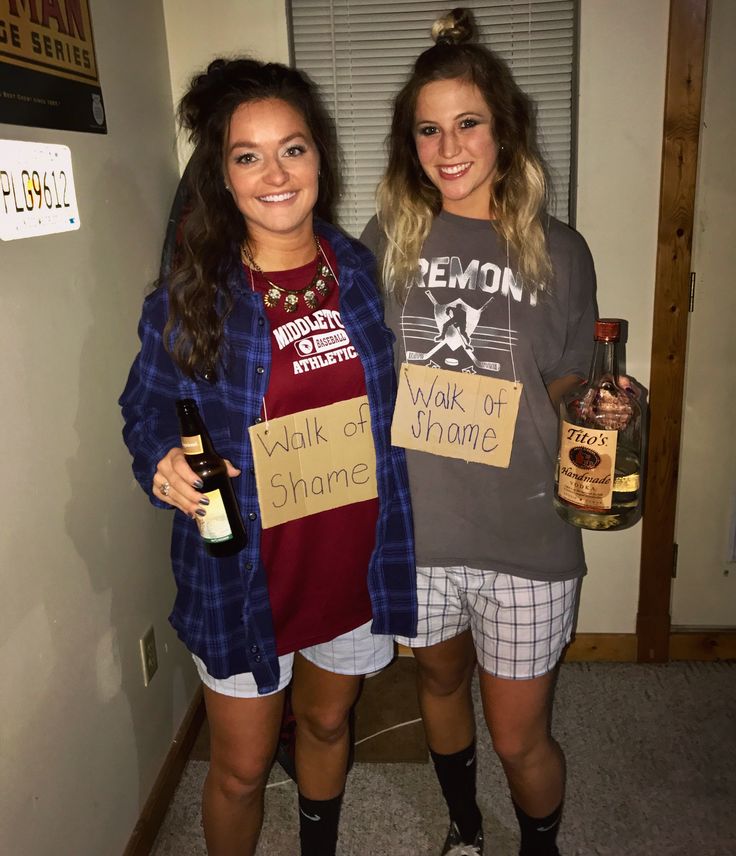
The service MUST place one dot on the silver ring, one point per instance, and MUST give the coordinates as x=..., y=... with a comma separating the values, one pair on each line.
x=165, y=488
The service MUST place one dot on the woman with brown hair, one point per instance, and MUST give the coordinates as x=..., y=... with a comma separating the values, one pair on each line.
x=270, y=312
x=492, y=303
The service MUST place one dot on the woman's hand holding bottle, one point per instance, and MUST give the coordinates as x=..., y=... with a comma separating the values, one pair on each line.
x=176, y=483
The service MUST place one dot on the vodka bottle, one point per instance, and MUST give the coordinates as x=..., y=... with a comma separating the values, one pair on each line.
x=222, y=526
x=599, y=460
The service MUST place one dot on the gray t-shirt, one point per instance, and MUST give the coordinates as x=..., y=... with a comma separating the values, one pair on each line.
x=469, y=313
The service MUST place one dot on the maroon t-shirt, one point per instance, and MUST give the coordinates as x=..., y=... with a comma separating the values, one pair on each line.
x=317, y=565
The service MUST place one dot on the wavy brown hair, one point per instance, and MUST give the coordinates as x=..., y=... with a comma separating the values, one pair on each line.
x=213, y=229
x=407, y=199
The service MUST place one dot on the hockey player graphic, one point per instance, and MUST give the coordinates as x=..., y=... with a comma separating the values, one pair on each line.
x=455, y=321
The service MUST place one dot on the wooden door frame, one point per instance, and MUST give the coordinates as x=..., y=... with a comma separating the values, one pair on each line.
x=681, y=135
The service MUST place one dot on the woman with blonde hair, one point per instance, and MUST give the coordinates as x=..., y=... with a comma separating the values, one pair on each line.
x=492, y=302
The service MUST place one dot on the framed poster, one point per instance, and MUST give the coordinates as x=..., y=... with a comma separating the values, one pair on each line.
x=48, y=67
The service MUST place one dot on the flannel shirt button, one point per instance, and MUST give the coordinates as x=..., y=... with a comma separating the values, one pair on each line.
x=249, y=566
x=260, y=370
x=257, y=658
x=258, y=419
x=252, y=515
x=260, y=322
x=254, y=649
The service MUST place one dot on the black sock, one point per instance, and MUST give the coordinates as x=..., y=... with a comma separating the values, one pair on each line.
x=318, y=820
x=539, y=834
x=456, y=774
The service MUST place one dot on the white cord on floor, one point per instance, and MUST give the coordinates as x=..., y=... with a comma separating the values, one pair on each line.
x=390, y=728
x=282, y=782
x=358, y=742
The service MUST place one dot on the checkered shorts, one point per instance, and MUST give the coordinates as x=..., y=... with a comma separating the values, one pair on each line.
x=520, y=627
x=357, y=652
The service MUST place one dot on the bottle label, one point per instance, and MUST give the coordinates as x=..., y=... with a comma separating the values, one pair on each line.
x=626, y=484
x=586, y=469
x=214, y=527
x=192, y=445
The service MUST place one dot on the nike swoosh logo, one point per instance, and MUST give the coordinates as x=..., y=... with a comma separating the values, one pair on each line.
x=314, y=817
x=547, y=828
x=471, y=761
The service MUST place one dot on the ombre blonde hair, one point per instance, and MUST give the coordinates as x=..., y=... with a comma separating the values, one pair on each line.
x=408, y=201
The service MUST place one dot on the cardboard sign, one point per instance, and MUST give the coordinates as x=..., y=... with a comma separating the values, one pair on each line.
x=314, y=460
x=456, y=414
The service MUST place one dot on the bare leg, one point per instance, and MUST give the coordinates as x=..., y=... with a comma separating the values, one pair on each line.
x=518, y=717
x=444, y=680
x=321, y=701
x=445, y=676
x=243, y=735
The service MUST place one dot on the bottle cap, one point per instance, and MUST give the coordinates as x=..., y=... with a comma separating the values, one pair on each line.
x=607, y=330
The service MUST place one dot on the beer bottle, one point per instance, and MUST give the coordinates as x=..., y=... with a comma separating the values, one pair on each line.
x=222, y=527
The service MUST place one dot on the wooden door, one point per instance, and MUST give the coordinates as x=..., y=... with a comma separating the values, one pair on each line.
x=704, y=591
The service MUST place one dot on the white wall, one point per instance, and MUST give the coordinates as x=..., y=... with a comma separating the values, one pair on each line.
x=84, y=556
x=197, y=35
x=623, y=52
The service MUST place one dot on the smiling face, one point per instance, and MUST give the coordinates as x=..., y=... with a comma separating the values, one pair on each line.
x=453, y=134
x=271, y=167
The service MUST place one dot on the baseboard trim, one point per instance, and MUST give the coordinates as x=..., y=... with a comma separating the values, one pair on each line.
x=601, y=647
x=703, y=645
x=152, y=815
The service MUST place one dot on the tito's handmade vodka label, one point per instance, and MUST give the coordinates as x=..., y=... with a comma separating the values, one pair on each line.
x=587, y=466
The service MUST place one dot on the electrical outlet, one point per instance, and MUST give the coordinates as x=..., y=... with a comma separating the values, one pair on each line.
x=149, y=658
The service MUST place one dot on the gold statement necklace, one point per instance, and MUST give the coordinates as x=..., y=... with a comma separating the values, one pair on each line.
x=311, y=294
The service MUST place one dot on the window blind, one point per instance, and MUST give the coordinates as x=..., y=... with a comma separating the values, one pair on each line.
x=360, y=52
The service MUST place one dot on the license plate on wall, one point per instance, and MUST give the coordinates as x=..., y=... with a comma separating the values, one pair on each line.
x=37, y=195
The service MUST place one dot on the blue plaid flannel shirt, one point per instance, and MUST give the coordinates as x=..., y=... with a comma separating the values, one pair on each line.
x=222, y=611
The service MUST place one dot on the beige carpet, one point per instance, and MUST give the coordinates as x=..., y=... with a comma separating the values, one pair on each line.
x=651, y=754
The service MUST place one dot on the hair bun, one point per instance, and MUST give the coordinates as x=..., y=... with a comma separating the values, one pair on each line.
x=454, y=28
x=197, y=103
x=217, y=67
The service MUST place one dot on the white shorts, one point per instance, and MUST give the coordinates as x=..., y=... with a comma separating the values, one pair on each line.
x=520, y=627
x=358, y=652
